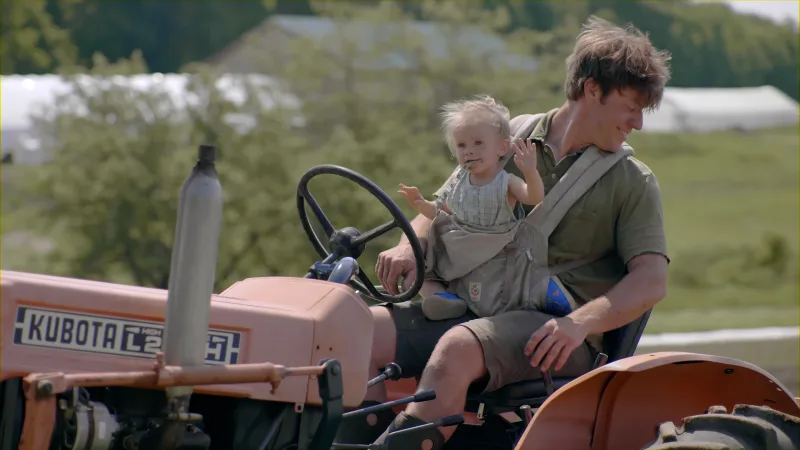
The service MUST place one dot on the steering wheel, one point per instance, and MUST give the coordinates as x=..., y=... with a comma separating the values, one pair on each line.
x=349, y=241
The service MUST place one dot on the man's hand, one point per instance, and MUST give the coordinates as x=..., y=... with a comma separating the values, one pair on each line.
x=551, y=345
x=393, y=263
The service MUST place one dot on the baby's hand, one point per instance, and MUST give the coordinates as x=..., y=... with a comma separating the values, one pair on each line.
x=525, y=156
x=412, y=195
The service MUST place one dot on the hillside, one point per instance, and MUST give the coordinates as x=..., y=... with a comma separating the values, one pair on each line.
x=712, y=45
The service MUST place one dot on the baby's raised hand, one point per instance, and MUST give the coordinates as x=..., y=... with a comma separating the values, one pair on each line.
x=412, y=195
x=525, y=156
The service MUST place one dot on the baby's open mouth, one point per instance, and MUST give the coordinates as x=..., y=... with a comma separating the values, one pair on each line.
x=470, y=162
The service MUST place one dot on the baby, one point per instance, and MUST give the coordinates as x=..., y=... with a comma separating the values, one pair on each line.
x=480, y=192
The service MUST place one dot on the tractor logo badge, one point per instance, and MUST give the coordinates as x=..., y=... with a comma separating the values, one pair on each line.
x=66, y=330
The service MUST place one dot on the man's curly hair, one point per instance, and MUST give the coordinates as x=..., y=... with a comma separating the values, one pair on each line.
x=617, y=58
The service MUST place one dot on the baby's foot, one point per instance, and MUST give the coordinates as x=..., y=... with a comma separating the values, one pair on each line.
x=443, y=305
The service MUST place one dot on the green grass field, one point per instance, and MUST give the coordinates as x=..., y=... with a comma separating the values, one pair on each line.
x=780, y=358
x=731, y=212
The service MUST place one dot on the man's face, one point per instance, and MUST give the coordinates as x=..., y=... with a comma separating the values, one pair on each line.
x=615, y=116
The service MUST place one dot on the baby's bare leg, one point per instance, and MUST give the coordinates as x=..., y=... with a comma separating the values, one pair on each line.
x=430, y=287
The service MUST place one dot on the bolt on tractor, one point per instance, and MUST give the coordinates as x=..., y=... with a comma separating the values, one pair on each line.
x=276, y=363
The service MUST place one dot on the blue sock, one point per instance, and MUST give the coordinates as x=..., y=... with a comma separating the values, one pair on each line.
x=448, y=295
x=556, y=302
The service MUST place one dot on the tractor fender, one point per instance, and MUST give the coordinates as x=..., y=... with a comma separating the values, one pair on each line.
x=622, y=404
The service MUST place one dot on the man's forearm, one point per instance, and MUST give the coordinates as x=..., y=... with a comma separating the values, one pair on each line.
x=638, y=291
x=421, y=225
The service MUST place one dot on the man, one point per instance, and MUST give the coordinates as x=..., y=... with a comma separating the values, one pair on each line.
x=613, y=76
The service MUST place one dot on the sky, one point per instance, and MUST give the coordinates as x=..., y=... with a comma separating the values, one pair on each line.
x=776, y=10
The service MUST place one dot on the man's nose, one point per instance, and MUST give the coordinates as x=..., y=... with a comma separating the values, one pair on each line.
x=636, y=122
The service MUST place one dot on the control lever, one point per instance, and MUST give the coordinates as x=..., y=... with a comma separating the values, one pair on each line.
x=445, y=422
x=391, y=372
x=548, y=382
x=600, y=360
x=419, y=397
x=527, y=414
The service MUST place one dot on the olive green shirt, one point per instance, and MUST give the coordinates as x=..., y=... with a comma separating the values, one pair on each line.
x=620, y=217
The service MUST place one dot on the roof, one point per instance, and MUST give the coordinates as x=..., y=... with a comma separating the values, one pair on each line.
x=710, y=109
x=478, y=42
x=748, y=100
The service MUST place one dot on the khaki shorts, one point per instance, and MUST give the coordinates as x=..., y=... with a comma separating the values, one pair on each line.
x=502, y=337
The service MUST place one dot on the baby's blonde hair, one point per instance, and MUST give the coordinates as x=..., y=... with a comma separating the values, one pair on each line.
x=480, y=108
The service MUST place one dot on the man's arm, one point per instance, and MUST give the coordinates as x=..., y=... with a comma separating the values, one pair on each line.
x=421, y=225
x=642, y=245
x=641, y=289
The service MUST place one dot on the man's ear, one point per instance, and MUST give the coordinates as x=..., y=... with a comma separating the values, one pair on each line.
x=591, y=89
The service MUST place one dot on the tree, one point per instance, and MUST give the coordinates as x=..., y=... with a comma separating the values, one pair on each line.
x=168, y=33
x=32, y=43
x=109, y=193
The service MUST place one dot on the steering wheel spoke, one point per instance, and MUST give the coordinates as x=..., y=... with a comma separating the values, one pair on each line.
x=348, y=241
x=375, y=233
x=373, y=291
x=327, y=226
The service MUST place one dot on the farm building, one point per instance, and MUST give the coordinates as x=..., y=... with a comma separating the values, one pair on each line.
x=275, y=35
x=698, y=110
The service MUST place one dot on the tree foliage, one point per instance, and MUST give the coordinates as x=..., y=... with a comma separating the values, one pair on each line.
x=32, y=42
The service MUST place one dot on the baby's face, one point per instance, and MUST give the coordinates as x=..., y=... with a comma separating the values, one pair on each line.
x=479, y=147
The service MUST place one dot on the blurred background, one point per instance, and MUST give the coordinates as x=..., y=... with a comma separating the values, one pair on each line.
x=104, y=105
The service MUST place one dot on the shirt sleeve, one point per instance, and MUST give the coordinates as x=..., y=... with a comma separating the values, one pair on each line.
x=640, y=225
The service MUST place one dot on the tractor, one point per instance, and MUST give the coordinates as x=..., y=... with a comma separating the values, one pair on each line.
x=276, y=363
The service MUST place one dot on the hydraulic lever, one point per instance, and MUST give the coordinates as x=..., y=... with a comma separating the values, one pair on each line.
x=444, y=422
x=391, y=372
x=419, y=397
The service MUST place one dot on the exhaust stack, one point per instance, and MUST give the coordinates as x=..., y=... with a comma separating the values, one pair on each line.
x=192, y=272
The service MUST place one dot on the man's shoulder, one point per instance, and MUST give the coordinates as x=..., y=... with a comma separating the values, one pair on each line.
x=631, y=171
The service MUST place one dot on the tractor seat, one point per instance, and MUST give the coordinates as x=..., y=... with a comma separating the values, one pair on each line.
x=512, y=396
x=617, y=344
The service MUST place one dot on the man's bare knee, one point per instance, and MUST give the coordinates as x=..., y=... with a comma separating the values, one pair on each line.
x=458, y=356
x=384, y=338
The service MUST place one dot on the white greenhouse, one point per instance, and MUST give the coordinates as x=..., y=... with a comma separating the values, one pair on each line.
x=699, y=110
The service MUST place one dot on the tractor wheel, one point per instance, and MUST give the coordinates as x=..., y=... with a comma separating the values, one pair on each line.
x=746, y=427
